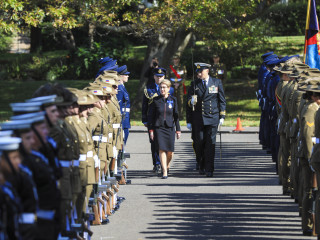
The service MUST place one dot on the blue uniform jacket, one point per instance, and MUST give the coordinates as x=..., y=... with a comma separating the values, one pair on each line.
x=151, y=91
x=211, y=102
x=124, y=102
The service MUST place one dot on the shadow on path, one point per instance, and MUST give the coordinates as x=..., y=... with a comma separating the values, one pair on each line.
x=241, y=201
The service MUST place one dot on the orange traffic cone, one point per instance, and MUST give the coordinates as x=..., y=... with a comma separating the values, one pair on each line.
x=239, y=126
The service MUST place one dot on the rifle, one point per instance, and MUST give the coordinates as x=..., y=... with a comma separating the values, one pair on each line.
x=115, y=188
x=194, y=83
x=314, y=202
x=122, y=156
x=114, y=161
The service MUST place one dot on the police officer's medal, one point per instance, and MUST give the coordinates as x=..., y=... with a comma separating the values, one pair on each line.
x=213, y=89
x=170, y=104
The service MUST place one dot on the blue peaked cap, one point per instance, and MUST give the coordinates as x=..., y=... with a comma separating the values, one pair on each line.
x=105, y=60
x=112, y=65
x=276, y=61
x=293, y=56
x=271, y=57
x=121, y=69
x=266, y=55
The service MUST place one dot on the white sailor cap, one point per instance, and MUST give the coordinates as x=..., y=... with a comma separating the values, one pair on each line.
x=16, y=124
x=9, y=143
x=201, y=66
x=32, y=117
x=26, y=107
x=46, y=100
x=6, y=133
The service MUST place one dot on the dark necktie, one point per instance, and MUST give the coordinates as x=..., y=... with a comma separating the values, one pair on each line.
x=204, y=83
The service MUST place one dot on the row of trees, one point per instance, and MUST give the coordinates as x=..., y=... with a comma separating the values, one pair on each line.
x=167, y=26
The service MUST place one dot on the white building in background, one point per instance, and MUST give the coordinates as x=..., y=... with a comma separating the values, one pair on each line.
x=20, y=44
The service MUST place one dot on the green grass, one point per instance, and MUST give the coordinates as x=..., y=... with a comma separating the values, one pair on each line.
x=287, y=45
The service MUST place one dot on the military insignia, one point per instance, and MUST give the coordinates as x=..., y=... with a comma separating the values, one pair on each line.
x=220, y=71
x=198, y=66
x=310, y=124
x=159, y=71
x=213, y=89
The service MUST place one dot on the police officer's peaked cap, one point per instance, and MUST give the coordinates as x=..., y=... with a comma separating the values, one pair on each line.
x=266, y=55
x=25, y=107
x=36, y=117
x=9, y=143
x=123, y=70
x=105, y=60
x=112, y=65
x=159, y=72
x=6, y=133
x=47, y=100
x=201, y=66
x=120, y=69
x=271, y=57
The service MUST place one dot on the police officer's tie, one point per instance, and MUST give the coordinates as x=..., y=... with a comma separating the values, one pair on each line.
x=204, y=84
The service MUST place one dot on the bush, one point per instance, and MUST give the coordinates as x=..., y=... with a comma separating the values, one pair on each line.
x=5, y=42
x=287, y=20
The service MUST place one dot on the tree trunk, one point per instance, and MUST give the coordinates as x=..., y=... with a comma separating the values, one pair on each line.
x=163, y=47
x=91, y=32
x=36, y=39
x=68, y=40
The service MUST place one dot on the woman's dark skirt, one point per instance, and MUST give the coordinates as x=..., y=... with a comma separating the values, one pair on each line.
x=164, y=137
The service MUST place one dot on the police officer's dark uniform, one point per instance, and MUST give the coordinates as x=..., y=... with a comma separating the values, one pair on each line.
x=209, y=107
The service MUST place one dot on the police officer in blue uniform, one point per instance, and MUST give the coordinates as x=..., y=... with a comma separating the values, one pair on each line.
x=151, y=91
x=206, y=97
x=124, y=100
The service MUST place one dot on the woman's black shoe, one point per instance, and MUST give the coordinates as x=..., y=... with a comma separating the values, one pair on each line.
x=164, y=177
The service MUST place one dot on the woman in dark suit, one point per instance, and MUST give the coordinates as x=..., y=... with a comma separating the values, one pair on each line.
x=164, y=120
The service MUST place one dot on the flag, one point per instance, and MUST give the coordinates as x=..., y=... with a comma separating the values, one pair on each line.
x=312, y=39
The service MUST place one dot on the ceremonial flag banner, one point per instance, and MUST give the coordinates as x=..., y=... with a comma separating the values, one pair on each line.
x=312, y=40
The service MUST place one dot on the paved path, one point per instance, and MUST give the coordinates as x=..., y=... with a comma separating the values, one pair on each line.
x=242, y=201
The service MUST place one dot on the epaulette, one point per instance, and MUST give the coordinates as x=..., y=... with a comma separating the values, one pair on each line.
x=151, y=95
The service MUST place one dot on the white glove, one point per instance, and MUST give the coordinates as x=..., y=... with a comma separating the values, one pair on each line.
x=96, y=161
x=115, y=152
x=221, y=121
x=194, y=100
x=189, y=126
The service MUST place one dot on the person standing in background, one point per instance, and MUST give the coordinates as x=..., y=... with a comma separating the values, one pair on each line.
x=218, y=69
x=177, y=75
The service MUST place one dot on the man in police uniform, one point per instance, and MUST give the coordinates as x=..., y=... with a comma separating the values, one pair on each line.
x=206, y=97
x=177, y=75
x=218, y=69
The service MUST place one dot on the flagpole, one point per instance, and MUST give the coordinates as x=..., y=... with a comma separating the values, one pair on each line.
x=306, y=34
